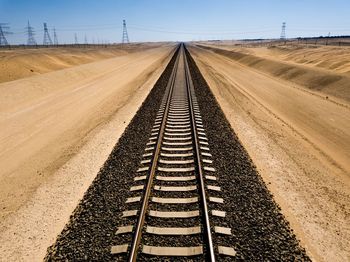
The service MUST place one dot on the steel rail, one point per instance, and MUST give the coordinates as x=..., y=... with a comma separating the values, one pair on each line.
x=141, y=220
x=207, y=229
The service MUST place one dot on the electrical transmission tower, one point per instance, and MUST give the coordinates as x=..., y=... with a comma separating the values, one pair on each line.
x=30, y=34
x=3, y=32
x=47, y=39
x=85, y=40
x=55, y=39
x=75, y=39
x=283, y=32
x=125, y=39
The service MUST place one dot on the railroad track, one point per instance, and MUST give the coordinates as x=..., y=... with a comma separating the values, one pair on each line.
x=169, y=213
x=157, y=210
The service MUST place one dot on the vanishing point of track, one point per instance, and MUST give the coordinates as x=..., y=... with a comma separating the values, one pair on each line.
x=174, y=183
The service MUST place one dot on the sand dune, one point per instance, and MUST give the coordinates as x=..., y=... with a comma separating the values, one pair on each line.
x=20, y=63
x=299, y=141
x=333, y=58
x=305, y=73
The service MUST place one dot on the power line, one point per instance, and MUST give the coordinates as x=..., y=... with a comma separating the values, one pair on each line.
x=82, y=28
x=55, y=39
x=199, y=33
x=3, y=32
x=213, y=29
x=125, y=39
x=263, y=31
x=30, y=35
x=47, y=39
x=283, y=32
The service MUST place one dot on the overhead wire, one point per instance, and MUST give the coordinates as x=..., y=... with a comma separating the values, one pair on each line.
x=196, y=32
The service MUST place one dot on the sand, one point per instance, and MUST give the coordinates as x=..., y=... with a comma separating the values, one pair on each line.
x=327, y=81
x=19, y=63
x=299, y=141
x=58, y=128
x=335, y=59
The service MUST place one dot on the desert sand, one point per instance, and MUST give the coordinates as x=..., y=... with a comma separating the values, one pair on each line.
x=296, y=132
x=327, y=57
x=58, y=129
x=318, y=68
x=19, y=63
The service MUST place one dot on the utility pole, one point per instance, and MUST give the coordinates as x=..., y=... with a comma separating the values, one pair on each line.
x=283, y=32
x=47, y=39
x=3, y=32
x=125, y=39
x=55, y=39
x=329, y=34
x=30, y=34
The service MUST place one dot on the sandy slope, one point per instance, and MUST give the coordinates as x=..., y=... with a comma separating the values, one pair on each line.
x=19, y=63
x=327, y=81
x=336, y=59
x=299, y=141
x=44, y=119
x=332, y=58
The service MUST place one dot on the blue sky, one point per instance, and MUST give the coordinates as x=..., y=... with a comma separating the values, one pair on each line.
x=177, y=20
